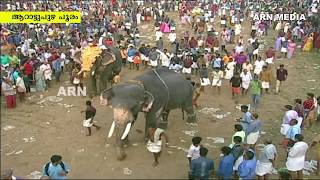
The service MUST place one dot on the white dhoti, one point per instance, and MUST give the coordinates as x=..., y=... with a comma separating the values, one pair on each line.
x=269, y=60
x=144, y=58
x=186, y=70
x=216, y=82
x=245, y=85
x=237, y=163
x=252, y=138
x=283, y=50
x=284, y=129
x=204, y=81
x=215, y=49
x=153, y=63
x=87, y=122
x=255, y=52
x=265, y=85
x=130, y=59
x=223, y=22
x=257, y=71
x=194, y=65
x=263, y=168
x=154, y=147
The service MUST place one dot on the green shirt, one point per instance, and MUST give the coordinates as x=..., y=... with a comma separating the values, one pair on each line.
x=255, y=87
x=5, y=59
x=14, y=59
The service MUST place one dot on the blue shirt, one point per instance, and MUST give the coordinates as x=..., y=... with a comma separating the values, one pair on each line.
x=131, y=52
x=293, y=131
x=202, y=167
x=54, y=171
x=57, y=65
x=254, y=126
x=217, y=63
x=247, y=169
x=245, y=121
x=226, y=167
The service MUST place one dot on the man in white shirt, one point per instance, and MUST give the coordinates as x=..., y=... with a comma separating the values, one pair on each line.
x=172, y=37
x=194, y=150
x=239, y=48
x=158, y=34
x=246, y=79
x=258, y=65
x=288, y=116
x=296, y=157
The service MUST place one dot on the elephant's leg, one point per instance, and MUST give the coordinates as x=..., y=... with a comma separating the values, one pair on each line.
x=191, y=115
x=163, y=122
x=152, y=119
x=98, y=84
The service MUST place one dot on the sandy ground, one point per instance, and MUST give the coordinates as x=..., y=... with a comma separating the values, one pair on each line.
x=57, y=129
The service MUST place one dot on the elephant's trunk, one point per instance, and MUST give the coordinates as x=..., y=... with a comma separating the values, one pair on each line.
x=121, y=155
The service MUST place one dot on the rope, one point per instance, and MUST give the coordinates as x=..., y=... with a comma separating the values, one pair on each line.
x=168, y=97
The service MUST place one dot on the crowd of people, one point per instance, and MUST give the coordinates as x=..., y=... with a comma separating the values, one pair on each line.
x=33, y=55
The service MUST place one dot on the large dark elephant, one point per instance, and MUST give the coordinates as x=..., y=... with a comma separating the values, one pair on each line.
x=105, y=68
x=155, y=92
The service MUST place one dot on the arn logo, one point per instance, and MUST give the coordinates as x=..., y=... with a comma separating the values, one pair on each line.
x=72, y=91
x=279, y=17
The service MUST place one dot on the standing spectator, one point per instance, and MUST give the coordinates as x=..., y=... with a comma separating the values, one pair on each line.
x=255, y=87
x=265, y=77
x=194, y=150
x=202, y=167
x=282, y=75
x=247, y=168
x=236, y=84
x=245, y=81
x=137, y=60
x=217, y=76
x=57, y=68
x=246, y=117
x=156, y=135
x=28, y=69
x=253, y=130
x=316, y=142
x=310, y=106
x=237, y=152
x=270, y=55
x=296, y=157
x=9, y=92
x=124, y=56
x=293, y=130
x=89, y=116
x=21, y=88
x=154, y=57
x=266, y=161
x=56, y=169
x=288, y=116
x=291, y=48
x=226, y=164
x=40, y=80
x=238, y=132
x=258, y=65
x=204, y=77
x=46, y=69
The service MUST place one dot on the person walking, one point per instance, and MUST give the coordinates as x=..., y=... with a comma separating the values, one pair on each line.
x=282, y=75
x=156, y=135
x=255, y=87
x=89, y=116
x=266, y=161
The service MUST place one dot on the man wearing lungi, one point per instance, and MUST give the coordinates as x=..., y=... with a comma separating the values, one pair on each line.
x=90, y=113
x=265, y=163
x=154, y=144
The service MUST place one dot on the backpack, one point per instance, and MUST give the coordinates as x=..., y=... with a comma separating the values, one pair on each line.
x=46, y=168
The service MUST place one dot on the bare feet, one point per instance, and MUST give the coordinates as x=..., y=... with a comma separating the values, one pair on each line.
x=155, y=164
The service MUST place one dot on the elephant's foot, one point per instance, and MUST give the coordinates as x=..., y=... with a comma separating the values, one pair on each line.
x=122, y=157
x=191, y=118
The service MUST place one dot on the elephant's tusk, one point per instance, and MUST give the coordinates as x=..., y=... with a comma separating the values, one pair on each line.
x=111, y=129
x=126, y=131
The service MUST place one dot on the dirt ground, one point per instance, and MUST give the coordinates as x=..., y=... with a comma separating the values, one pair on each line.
x=57, y=128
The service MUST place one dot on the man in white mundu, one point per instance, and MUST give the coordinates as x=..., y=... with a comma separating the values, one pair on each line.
x=288, y=116
x=258, y=65
x=46, y=69
x=154, y=144
x=265, y=163
x=246, y=79
x=296, y=157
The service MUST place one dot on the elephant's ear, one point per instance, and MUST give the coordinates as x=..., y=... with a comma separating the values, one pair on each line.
x=148, y=101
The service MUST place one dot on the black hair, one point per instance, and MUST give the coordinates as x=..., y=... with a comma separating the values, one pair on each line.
x=289, y=107
x=88, y=103
x=56, y=158
x=299, y=137
x=249, y=155
x=310, y=94
x=245, y=107
x=226, y=150
x=299, y=101
x=238, y=127
x=196, y=140
x=203, y=151
x=237, y=139
x=294, y=121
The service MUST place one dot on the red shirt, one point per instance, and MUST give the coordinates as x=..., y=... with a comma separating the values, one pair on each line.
x=270, y=53
x=27, y=68
x=308, y=104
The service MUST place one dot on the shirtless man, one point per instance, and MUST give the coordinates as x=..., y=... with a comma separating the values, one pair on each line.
x=154, y=145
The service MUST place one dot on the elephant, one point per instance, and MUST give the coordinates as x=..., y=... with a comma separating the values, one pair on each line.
x=107, y=65
x=155, y=93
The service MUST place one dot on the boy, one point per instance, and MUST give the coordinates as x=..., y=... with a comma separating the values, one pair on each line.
x=235, y=83
x=194, y=150
x=90, y=113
